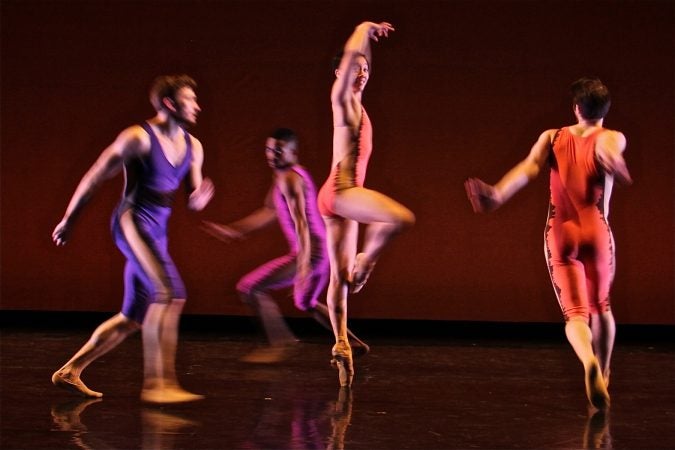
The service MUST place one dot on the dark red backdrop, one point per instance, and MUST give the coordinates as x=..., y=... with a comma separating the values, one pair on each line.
x=460, y=89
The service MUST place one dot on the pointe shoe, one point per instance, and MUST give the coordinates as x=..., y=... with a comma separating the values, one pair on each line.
x=360, y=273
x=73, y=385
x=343, y=362
x=596, y=389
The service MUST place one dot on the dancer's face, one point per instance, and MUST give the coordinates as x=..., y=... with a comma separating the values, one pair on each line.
x=186, y=108
x=362, y=71
x=280, y=154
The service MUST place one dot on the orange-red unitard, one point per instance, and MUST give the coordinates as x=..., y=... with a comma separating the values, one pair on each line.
x=578, y=240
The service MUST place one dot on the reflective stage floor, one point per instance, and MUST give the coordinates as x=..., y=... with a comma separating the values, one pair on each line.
x=428, y=390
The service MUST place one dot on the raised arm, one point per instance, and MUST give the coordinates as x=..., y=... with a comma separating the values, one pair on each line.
x=486, y=198
x=132, y=142
x=201, y=189
x=357, y=44
x=259, y=218
x=609, y=150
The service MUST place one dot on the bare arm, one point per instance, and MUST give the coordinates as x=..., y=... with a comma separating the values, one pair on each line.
x=259, y=218
x=358, y=43
x=486, y=198
x=132, y=142
x=609, y=150
x=201, y=189
x=292, y=188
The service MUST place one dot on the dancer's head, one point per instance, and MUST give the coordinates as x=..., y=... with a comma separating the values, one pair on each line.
x=360, y=66
x=175, y=96
x=590, y=98
x=281, y=148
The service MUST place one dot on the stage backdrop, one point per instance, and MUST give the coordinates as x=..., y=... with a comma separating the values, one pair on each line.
x=460, y=89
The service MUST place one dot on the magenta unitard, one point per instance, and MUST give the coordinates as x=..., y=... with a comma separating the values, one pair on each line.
x=280, y=272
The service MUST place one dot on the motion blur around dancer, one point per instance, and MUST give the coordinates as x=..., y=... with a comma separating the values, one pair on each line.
x=291, y=201
x=344, y=202
x=155, y=157
x=584, y=160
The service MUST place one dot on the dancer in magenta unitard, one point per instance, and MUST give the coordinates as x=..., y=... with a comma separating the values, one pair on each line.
x=584, y=159
x=292, y=201
x=155, y=157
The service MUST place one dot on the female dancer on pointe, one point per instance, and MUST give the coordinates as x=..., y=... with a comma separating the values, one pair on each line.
x=343, y=201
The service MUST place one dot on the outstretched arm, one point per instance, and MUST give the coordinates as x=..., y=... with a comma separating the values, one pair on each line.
x=201, y=189
x=130, y=143
x=486, y=198
x=609, y=150
x=259, y=218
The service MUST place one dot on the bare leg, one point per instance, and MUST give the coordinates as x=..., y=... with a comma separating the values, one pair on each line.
x=604, y=331
x=275, y=326
x=385, y=218
x=321, y=315
x=169, y=340
x=160, y=325
x=106, y=337
x=160, y=330
x=254, y=291
x=341, y=238
x=279, y=336
x=580, y=337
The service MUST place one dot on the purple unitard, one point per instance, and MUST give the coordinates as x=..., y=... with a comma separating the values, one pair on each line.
x=150, y=276
x=280, y=272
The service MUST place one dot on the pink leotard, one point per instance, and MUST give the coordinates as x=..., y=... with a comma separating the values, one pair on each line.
x=351, y=170
x=578, y=240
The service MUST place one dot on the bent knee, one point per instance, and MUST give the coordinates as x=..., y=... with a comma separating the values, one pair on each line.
x=407, y=219
x=338, y=278
x=244, y=287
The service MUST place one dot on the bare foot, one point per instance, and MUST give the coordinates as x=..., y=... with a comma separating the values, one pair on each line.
x=360, y=273
x=596, y=389
x=73, y=384
x=168, y=395
x=269, y=355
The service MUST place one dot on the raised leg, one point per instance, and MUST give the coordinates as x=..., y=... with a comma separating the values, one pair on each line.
x=384, y=217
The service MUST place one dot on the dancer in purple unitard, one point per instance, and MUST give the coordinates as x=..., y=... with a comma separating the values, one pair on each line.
x=292, y=201
x=155, y=157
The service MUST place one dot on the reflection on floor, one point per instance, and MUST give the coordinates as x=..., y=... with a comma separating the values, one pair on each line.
x=415, y=393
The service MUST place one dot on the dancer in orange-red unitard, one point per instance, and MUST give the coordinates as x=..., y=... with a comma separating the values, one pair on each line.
x=584, y=159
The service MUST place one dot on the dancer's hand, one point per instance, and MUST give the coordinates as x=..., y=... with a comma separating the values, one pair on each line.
x=377, y=30
x=201, y=196
x=483, y=197
x=61, y=233
x=221, y=232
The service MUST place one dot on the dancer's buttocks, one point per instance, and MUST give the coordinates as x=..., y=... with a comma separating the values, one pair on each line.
x=352, y=150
